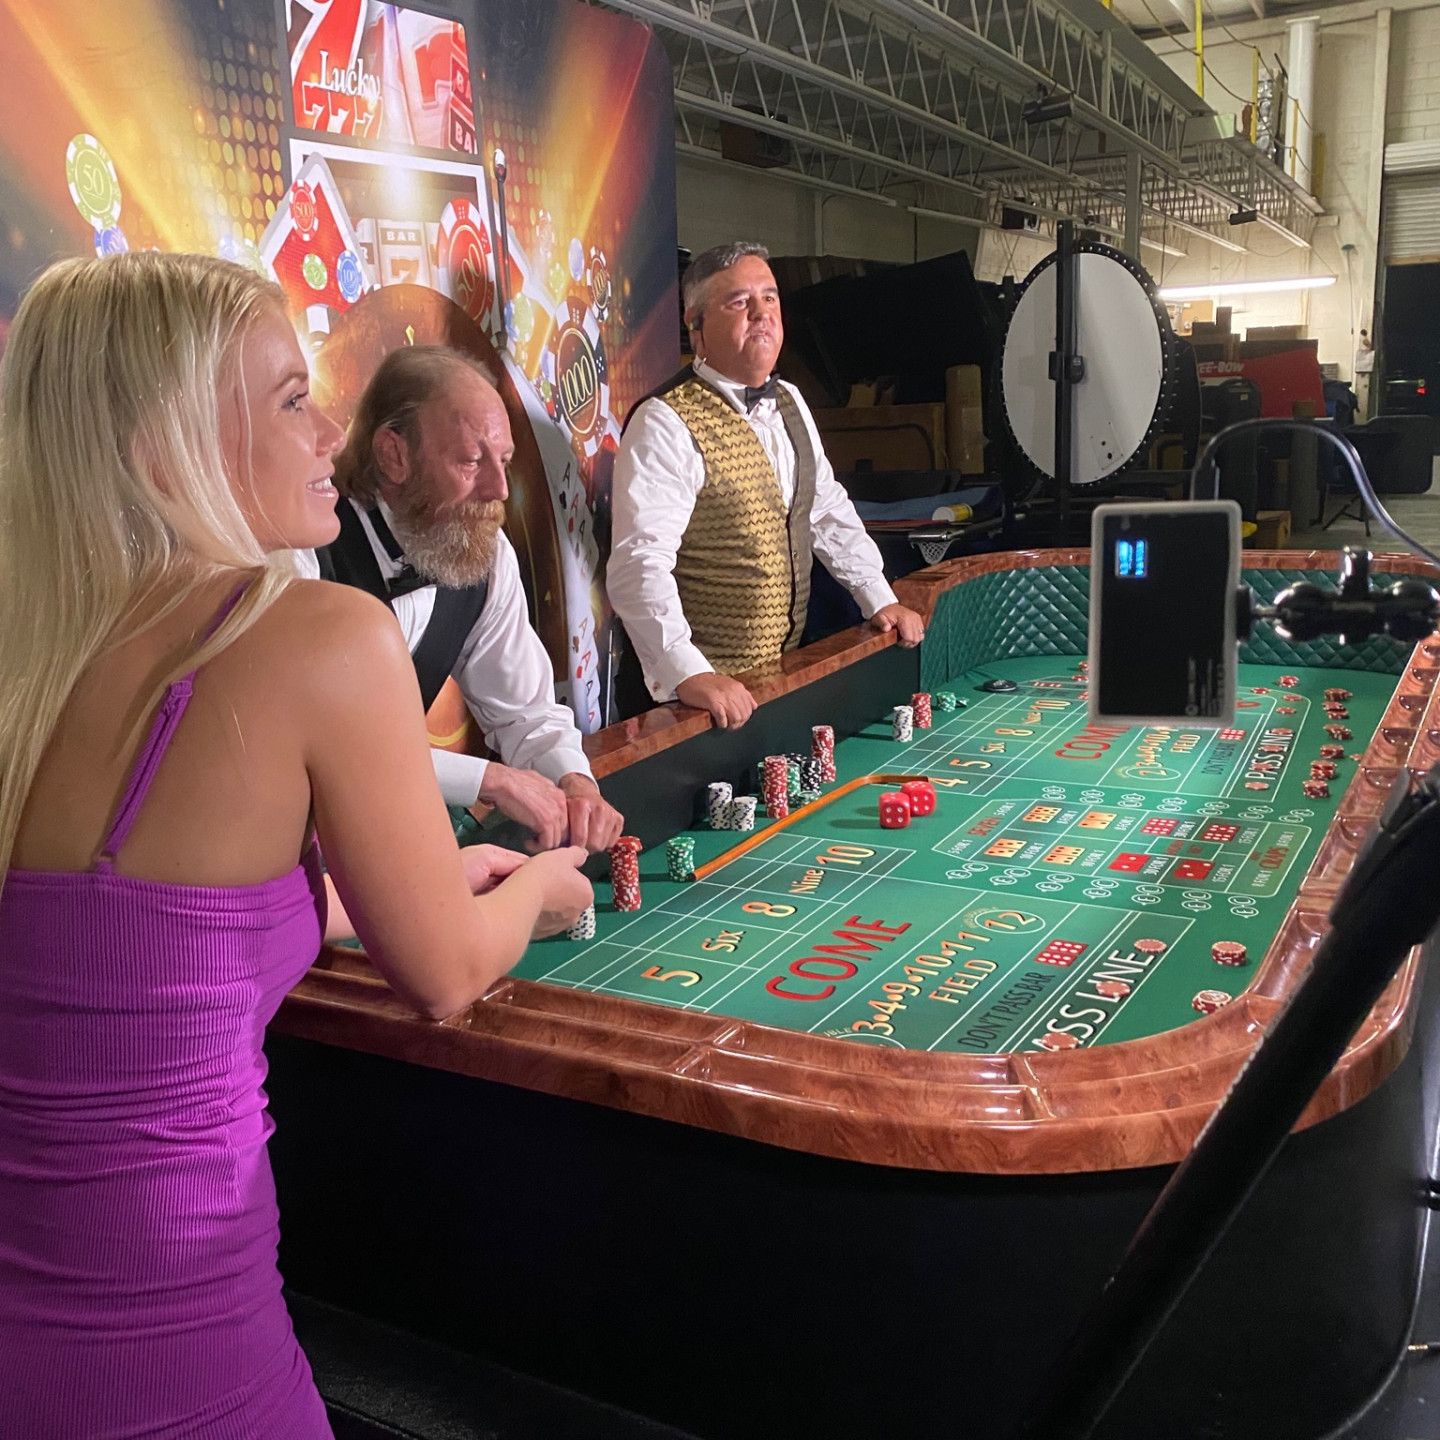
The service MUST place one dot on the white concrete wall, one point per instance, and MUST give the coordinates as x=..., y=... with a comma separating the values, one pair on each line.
x=1413, y=112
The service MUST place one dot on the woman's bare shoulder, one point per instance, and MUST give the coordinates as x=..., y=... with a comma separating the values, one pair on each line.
x=320, y=633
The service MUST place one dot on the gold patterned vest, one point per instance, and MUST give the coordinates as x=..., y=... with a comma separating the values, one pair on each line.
x=743, y=568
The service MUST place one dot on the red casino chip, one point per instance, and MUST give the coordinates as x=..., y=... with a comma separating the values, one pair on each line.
x=1335, y=692
x=1289, y=681
x=1316, y=790
x=467, y=265
x=1112, y=989
x=598, y=282
x=1332, y=752
x=1228, y=952
x=632, y=843
x=1057, y=1040
x=1335, y=711
x=1207, y=1002
x=304, y=211
x=574, y=364
x=1338, y=732
x=1150, y=947
x=1323, y=769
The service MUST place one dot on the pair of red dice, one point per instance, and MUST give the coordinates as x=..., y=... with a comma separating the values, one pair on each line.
x=897, y=807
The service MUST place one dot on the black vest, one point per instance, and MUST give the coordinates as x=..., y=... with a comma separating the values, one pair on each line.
x=351, y=561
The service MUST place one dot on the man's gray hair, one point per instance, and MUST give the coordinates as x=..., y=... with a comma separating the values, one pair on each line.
x=706, y=265
x=406, y=378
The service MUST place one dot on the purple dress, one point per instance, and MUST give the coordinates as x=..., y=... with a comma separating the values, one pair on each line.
x=139, y=1295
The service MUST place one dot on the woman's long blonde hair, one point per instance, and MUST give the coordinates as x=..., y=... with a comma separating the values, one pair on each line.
x=114, y=498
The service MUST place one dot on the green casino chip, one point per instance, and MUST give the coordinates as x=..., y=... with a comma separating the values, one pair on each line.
x=94, y=185
x=314, y=271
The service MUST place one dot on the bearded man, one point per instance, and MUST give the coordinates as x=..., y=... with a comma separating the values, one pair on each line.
x=423, y=485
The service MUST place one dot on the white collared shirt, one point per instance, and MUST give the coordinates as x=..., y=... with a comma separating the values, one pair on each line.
x=659, y=472
x=503, y=672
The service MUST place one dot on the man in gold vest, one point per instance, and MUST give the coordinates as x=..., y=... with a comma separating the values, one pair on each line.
x=722, y=496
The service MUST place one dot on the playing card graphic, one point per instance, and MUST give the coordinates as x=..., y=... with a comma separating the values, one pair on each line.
x=312, y=246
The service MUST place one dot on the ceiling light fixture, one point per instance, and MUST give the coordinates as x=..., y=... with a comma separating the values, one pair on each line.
x=1245, y=287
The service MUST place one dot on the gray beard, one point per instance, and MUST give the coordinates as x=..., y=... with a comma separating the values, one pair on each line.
x=457, y=552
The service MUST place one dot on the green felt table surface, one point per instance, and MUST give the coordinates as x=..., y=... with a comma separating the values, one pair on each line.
x=1009, y=919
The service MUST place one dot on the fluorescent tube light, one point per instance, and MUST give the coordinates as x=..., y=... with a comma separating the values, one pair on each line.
x=1245, y=287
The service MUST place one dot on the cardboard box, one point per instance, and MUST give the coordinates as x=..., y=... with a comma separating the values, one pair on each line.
x=965, y=419
x=1272, y=530
x=884, y=437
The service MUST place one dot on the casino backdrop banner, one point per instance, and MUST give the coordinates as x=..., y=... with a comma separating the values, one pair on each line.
x=486, y=174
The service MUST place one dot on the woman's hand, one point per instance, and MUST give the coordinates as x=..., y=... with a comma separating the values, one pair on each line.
x=487, y=865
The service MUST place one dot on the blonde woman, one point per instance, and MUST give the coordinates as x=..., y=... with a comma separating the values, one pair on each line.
x=178, y=719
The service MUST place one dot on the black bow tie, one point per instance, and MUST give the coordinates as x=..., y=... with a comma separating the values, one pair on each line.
x=754, y=394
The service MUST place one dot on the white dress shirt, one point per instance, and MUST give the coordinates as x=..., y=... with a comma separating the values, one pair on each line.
x=503, y=672
x=659, y=472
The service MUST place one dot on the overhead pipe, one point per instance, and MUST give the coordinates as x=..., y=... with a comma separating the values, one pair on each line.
x=1304, y=38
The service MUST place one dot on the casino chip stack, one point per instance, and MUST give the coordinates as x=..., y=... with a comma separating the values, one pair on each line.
x=717, y=797
x=584, y=926
x=1228, y=952
x=903, y=726
x=775, y=787
x=946, y=700
x=822, y=747
x=920, y=705
x=680, y=857
x=625, y=872
x=1289, y=681
x=812, y=774
x=740, y=813
x=1335, y=695
x=1315, y=789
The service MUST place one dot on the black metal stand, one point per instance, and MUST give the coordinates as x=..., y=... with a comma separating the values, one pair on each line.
x=1067, y=369
x=1389, y=904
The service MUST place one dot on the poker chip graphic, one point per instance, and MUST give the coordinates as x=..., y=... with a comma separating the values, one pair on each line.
x=348, y=275
x=597, y=279
x=244, y=252
x=576, y=257
x=520, y=319
x=111, y=241
x=312, y=267
x=466, y=260
x=94, y=185
x=574, y=367
x=544, y=237
x=303, y=211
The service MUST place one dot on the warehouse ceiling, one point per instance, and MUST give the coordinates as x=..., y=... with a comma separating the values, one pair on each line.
x=967, y=107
